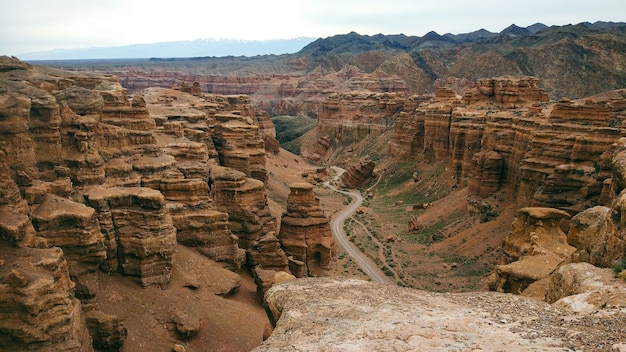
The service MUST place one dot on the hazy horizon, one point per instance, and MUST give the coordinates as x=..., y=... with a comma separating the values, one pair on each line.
x=30, y=26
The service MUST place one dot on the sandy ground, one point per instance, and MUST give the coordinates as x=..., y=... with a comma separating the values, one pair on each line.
x=231, y=323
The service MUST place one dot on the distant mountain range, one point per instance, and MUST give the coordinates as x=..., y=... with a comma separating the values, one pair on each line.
x=177, y=49
x=350, y=43
x=355, y=43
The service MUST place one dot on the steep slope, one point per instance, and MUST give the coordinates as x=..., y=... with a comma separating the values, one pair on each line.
x=99, y=191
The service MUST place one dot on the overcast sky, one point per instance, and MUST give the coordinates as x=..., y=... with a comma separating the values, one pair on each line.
x=39, y=25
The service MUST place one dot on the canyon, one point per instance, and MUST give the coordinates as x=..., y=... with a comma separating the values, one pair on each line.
x=138, y=217
x=97, y=184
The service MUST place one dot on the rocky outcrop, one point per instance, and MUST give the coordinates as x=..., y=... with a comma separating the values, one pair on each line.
x=240, y=145
x=357, y=176
x=108, y=331
x=305, y=234
x=265, y=279
x=350, y=117
x=507, y=91
x=267, y=130
x=535, y=247
x=208, y=230
x=72, y=227
x=244, y=199
x=347, y=314
x=504, y=133
x=114, y=182
x=38, y=309
x=584, y=288
x=596, y=237
x=146, y=254
x=484, y=179
x=597, y=232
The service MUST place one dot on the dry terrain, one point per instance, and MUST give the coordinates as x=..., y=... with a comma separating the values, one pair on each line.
x=459, y=261
x=232, y=322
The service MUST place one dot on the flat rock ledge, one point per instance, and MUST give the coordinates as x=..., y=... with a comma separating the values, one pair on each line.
x=340, y=314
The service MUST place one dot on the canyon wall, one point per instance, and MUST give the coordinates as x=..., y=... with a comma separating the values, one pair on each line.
x=503, y=133
x=92, y=179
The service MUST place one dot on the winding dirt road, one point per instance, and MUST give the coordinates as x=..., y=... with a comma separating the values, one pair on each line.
x=336, y=225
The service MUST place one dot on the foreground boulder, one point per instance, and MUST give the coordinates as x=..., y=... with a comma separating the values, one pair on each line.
x=582, y=287
x=534, y=248
x=330, y=314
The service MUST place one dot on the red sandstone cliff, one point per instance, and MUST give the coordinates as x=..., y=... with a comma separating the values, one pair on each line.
x=502, y=133
x=114, y=183
x=305, y=234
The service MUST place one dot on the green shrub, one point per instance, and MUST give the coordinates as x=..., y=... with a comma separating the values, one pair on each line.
x=619, y=266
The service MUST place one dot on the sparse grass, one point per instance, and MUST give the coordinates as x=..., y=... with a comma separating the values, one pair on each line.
x=425, y=235
x=290, y=127
x=619, y=266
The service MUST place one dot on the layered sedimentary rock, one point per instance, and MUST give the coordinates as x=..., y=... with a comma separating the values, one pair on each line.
x=139, y=234
x=598, y=232
x=267, y=131
x=507, y=91
x=240, y=145
x=244, y=199
x=289, y=93
x=535, y=247
x=107, y=330
x=504, y=133
x=38, y=309
x=350, y=117
x=485, y=177
x=74, y=228
x=357, y=176
x=115, y=182
x=305, y=234
x=585, y=288
x=186, y=140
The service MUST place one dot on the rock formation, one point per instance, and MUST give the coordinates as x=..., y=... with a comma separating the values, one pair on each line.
x=305, y=234
x=597, y=232
x=349, y=314
x=113, y=183
x=357, y=176
x=535, y=247
x=145, y=254
x=584, y=288
x=39, y=311
x=244, y=199
x=240, y=145
x=299, y=83
x=350, y=117
x=504, y=133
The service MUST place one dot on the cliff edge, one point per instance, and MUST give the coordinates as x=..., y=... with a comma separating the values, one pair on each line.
x=331, y=314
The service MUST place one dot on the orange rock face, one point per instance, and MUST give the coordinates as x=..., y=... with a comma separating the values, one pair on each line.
x=305, y=234
x=145, y=254
x=350, y=117
x=504, y=133
x=357, y=176
x=244, y=200
x=115, y=182
x=39, y=311
x=535, y=247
